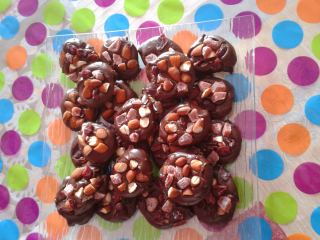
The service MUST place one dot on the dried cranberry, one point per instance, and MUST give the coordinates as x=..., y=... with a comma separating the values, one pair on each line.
x=72, y=203
x=88, y=129
x=87, y=173
x=218, y=190
x=156, y=148
x=162, y=41
x=72, y=49
x=193, y=92
x=63, y=207
x=177, y=215
x=224, y=151
x=208, y=105
x=221, y=51
x=116, y=198
x=183, y=122
x=161, y=155
x=86, y=74
x=210, y=199
x=155, y=70
x=95, y=94
x=92, y=57
x=81, y=52
x=113, y=66
x=119, y=207
x=160, y=198
x=158, y=215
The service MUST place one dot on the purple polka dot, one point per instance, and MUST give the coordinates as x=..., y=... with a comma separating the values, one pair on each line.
x=36, y=33
x=231, y=2
x=213, y=229
x=22, y=88
x=303, y=71
x=265, y=61
x=244, y=121
x=307, y=178
x=27, y=7
x=27, y=210
x=104, y=3
x=145, y=34
x=10, y=142
x=242, y=27
x=4, y=197
x=35, y=236
x=54, y=95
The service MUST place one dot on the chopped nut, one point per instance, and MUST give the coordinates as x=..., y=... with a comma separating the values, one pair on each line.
x=96, y=182
x=144, y=122
x=133, y=164
x=183, y=111
x=101, y=133
x=171, y=128
x=89, y=189
x=172, y=117
x=187, y=192
x=144, y=111
x=130, y=175
x=94, y=141
x=195, y=180
x=206, y=93
x=175, y=61
x=181, y=161
x=186, y=78
x=132, y=187
x=162, y=65
x=141, y=177
x=124, y=129
x=185, y=67
x=104, y=87
x=79, y=193
x=87, y=150
x=120, y=167
x=122, y=187
x=198, y=126
x=173, y=192
x=196, y=165
x=197, y=51
x=77, y=173
x=174, y=73
x=120, y=151
x=101, y=148
x=105, y=209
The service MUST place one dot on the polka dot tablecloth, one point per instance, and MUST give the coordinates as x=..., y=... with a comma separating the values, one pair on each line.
x=287, y=57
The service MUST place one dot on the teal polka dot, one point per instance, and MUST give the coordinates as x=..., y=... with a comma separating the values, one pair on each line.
x=208, y=12
x=9, y=230
x=241, y=86
x=9, y=27
x=287, y=34
x=6, y=110
x=315, y=220
x=116, y=22
x=312, y=110
x=1, y=164
x=36, y=156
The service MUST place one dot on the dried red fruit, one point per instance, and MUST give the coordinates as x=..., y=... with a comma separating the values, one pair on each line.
x=218, y=190
x=224, y=151
x=95, y=94
x=210, y=199
x=155, y=70
x=92, y=57
x=183, y=122
x=72, y=49
x=162, y=41
x=88, y=129
x=87, y=173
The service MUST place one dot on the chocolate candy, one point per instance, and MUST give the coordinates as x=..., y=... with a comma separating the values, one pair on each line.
x=185, y=125
x=222, y=144
x=96, y=84
x=122, y=146
x=151, y=49
x=132, y=173
x=187, y=177
x=96, y=142
x=114, y=208
x=121, y=93
x=134, y=122
x=171, y=75
x=218, y=207
x=122, y=55
x=79, y=193
x=213, y=94
x=74, y=56
x=74, y=113
x=210, y=54
x=161, y=212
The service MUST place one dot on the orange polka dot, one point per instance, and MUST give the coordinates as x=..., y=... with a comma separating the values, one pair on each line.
x=16, y=57
x=187, y=233
x=309, y=10
x=97, y=43
x=57, y=226
x=184, y=39
x=47, y=189
x=271, y=6
x=277, y=99
x=58, y=133
x=298, y=236
x=89, y=232
x=294, y=138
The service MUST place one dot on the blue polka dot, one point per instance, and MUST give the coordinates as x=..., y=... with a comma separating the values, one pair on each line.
x=1, y=164
x=9, y=27
x=116, y=22
x=57, y=41
x=6, y=110
x=208, y=12
x=287, y=34
x=270, y=164
x=8, y=230
x=241, y=86
x=35, y=154
x=312, y=110
x=315, y=220
x=249, y=229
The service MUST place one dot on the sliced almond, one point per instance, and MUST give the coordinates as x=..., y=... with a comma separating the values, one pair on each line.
x=185, y=67
x=101, y=133
x=130, y=175
x=174, y=73
x=124, y=129
x=197, y=51
x=133, y=164
x=134, y=124
x=120, y=167
x=86, y=150
x=198, y=126
x=101, y=148
x=122, y=187
x=77, y=173
x=105, y=209
x=94, y=141
x=195, y=180
x=162, y=65
x=171, y=128
x=104, y=87
x=196, y=165
x=175, y=61
x=173, y=192
x=144, y=122
x=132, y=187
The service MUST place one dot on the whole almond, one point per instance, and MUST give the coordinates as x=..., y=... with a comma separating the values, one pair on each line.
x=167, y=85
x=126, y=52
x=174, y=73
x=86, y=150
x=94, y=141
x=72, y=68
x=89, y=113
x=132, y=63
x=73, y=122
x=67, y=116
x=195, y=180
x=187, y=192
x=101, y=148
x=107, y=113
x=172, y=137
x=197, y=51
x=134, y=124
x=130, y=175
x=172, y=117
x=96, y=182
x=144, y=122
x=133, y=164
x=214, y=182
x=183, y=111
x=87, y=92
x=173, y=192
x=186, y=170
x=141, y=177
x=171, y=128
x=79, y=122
x=196, y=165
x=122, y=67
x=104, y=87
x=89, y=189
x=162, y=65
x=132, y=187
x=122, y=187
x=185, y=67
x=94, y=83
x=69, y=105
x=175, y=61
x=120, y=167
x=77, y=173
x=81, y=141
x=101, y=133
x=198, y=126
x=73, y=97
x=181, y=161
x=121, y=96
x=186, y=78
x=75, y=60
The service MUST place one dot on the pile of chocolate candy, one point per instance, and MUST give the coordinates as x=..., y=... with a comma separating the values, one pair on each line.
x=177, y=121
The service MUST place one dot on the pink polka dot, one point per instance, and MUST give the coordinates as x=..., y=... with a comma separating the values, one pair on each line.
x=145, y=34
x=307, y=178
x=244, y=121
x=265, y=61
x=27, y=7
x=54, y=95
x=35, y=236
x=4, y=197
x=36, y=33
x=10, y=142
x=104, y=3
x=231, y=2
x=240, y=25
x=27, y=210
x=22, y=88
x=303, y=71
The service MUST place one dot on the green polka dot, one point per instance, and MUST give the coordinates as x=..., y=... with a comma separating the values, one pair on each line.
x=67, y=81
x=53, y=13
x=4, y=4
x=2, y=80
x=64, y=166
x=245, y=191
x=136, y=8
x=143, y=230
x=17, y=177
x=29, y=122
x=39, y=65
x=170, y=11
x=315, y=45
x=281, y=207
x=109, y=226
x=83, y=20
x=137, y=86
